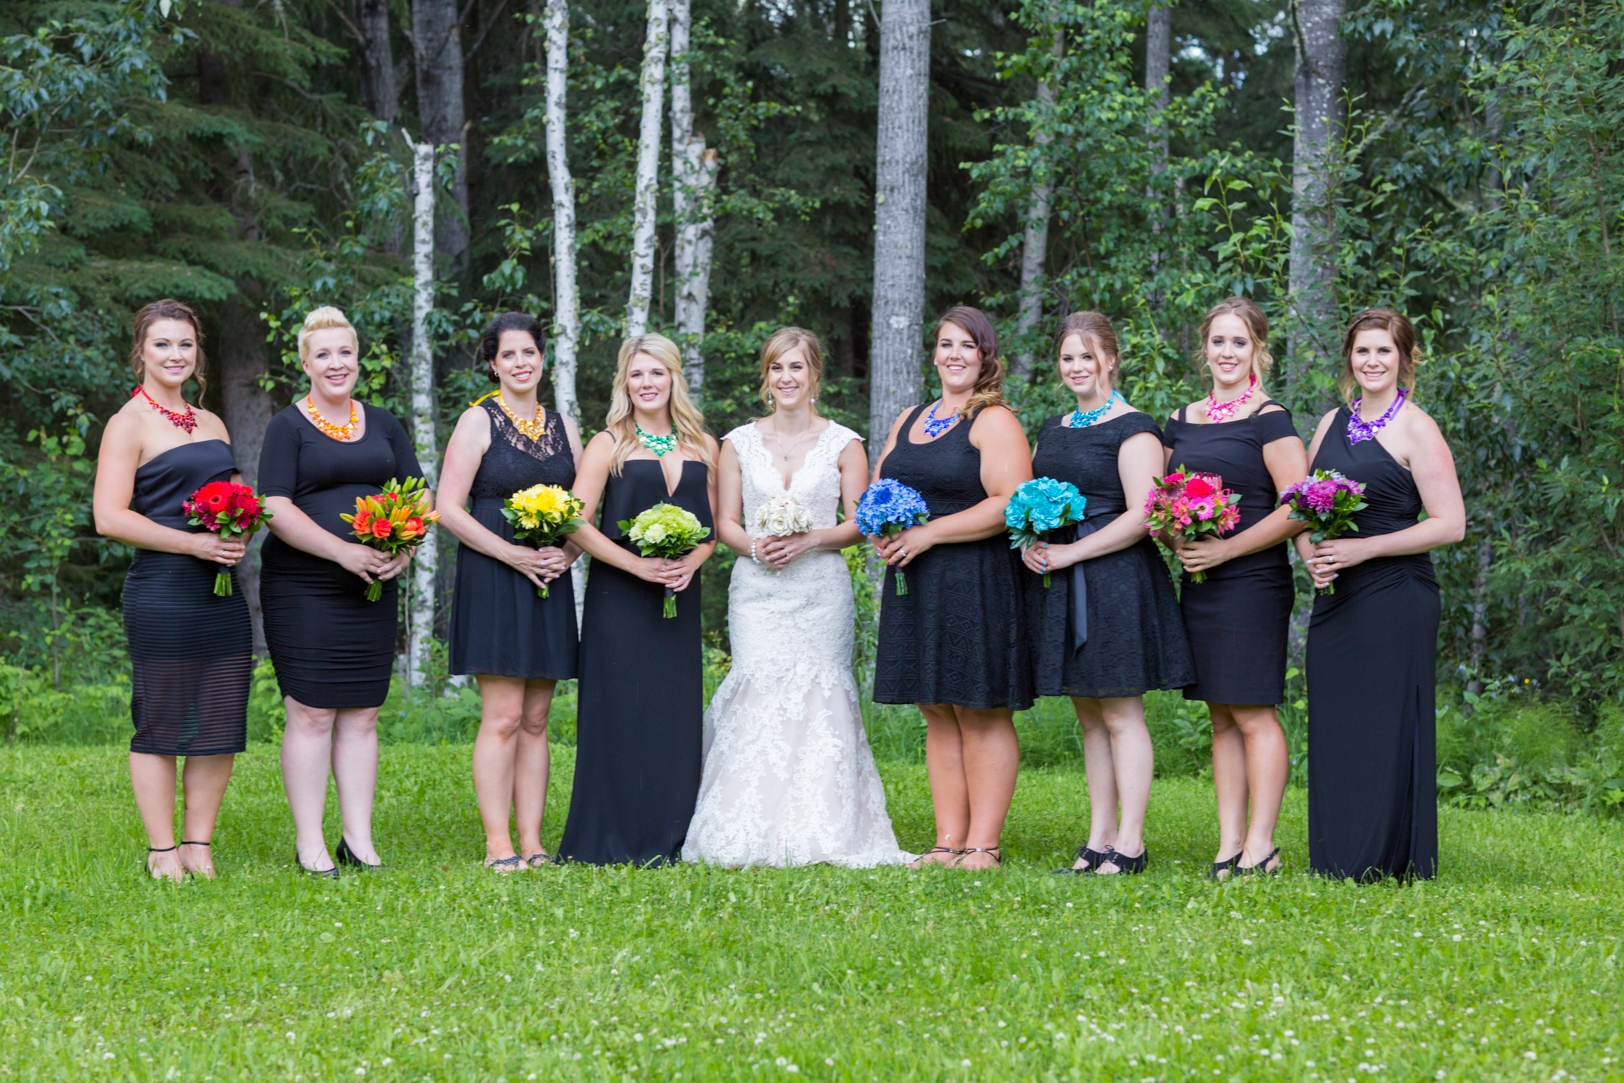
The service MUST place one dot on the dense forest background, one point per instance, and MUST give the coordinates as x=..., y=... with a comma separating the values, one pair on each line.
x=248, y=157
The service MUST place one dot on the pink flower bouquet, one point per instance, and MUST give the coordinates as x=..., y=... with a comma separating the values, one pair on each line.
x=1325, y=501
x=1190, y=505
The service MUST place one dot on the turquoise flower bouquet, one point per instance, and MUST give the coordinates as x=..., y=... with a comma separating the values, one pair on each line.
x=1039, y=506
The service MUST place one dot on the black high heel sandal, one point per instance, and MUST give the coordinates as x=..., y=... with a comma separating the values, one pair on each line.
x=1126, y=866
x=934, y=850
x=1219, y=868
x=314, y=874
x=208, y=874
x=1262, y=867
x=995, y=851
x=1091, y=861
x=147, y=864
x=345, y=856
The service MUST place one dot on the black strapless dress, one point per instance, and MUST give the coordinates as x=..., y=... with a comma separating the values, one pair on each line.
x=1135, y=633
x=1237, y=619
x=191, y=651
x=959, y=635
x=500, y=627
x=1372, y=658
x=332, y=648
x=638, y=728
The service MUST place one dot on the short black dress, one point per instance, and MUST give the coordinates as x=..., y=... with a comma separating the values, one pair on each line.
x=331, y=647
x=638, y=723
x=1237, y=619
x=1134, y=633
x=959, y=635
x=500, y=627
x=1372, y=657
x=191, y=651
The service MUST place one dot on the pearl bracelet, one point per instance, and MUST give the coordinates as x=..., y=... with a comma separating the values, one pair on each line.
x=753, y=550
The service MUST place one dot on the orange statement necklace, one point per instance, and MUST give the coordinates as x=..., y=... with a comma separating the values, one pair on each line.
x=535, y=430
x=337, y=432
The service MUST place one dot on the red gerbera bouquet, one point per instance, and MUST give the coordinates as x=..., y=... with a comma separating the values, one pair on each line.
x=1189, y=504
x=229, y=510
x=397, y=518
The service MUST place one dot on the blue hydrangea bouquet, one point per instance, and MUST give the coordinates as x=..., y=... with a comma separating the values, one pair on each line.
x=1039, y=506
x=887, y=508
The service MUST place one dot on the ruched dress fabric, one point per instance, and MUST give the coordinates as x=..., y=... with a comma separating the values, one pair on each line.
x=500, y=626
x=1136, y=638
x=191, y=651
x=1236, y=620
x=637, y=744
x=959, y=635
x=331, y=647
x=1372, y=657
x=789, y=778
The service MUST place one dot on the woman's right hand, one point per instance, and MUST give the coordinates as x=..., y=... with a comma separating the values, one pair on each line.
x=363, y=560
x=540, y=566
x=213, y=547
x=655, y=570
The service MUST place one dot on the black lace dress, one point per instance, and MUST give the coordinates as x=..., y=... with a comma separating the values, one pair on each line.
x=499, y=626
x=1133, y=634
x=191, y=650
x=1237, y=619
x=1372, y=658
x=958, y=636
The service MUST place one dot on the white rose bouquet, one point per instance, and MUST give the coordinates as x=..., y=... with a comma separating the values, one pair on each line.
x=782, y=516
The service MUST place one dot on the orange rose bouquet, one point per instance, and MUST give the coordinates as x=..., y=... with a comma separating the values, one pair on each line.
x=397, y=518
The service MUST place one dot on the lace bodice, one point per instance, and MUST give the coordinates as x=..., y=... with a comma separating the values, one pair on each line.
x=514, y=461
x=816, y=484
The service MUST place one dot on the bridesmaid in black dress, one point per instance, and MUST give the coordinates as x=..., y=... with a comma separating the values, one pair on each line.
x=1372, y=645
x=1237, y=619
x=333, y=649
x=191, y=650
x=1130, y=637
x=955, y=644
x=638, y=728
x=516, y=643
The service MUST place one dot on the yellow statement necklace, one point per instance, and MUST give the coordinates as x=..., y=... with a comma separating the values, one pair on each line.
x=535, y=430
x=337, y=432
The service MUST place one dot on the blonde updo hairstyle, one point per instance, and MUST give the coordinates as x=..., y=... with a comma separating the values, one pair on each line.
x=781, y=342
x=686, y=420
x=1257, y=324
x=325, y=318
x=989, y=386
x=1395, y=324
x=1095, y=329
x=166, y=309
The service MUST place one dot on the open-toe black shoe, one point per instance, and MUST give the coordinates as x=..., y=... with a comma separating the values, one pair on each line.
x=1126, y=866
x=1262, y=867
x=1219, y=868
x=345, y=856
x=1091, y=860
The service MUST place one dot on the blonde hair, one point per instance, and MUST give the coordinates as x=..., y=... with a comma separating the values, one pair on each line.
x=781, y=342
x=324, y=318
x=989, y=385
x=166, y=309
x=1257, y=324
x=686, y=420
x=1398, y=326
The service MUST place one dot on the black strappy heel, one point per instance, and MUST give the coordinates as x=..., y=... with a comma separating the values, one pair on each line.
x=995, y=851
x=540, y=859
x=147, y=864
x=1262, y=867
x=209, y=874
x=1126, y=866
x=1091, y=860
x=346, y=856
x=935, y=850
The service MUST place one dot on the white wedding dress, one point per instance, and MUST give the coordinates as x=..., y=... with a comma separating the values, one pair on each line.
x=789, y=778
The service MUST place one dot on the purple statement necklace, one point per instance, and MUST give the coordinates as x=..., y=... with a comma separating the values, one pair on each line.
x=1359, y=429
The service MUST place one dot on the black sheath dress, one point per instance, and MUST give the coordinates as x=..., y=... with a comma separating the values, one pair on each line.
x=500, y=627
x=1237, y=620
x=1134, y=633
x=191, y=650
x=958, y=636
x=331, y=647
x=638, y=729
x=1372, y=657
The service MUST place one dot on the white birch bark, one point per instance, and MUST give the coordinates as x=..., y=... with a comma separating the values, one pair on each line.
x=420, y=614
x=899, y=214
x=693, y=174
x=1035, y=247
x=1322, y=59
x=648, y=169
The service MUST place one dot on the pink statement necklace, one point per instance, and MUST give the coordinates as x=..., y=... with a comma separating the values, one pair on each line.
x=187, y=421
x=1219, y=412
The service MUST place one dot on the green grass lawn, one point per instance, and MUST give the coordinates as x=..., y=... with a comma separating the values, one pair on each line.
x=1504, y=968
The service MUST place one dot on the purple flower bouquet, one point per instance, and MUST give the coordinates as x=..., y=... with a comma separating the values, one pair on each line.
x=1325, y=501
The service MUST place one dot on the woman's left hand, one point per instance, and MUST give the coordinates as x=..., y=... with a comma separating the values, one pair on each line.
x=554, y=562
x=1203, y=555
x=899, y=550
x=1044, y=558
x=1337, y=555
x=781, y=552
x=395, y=565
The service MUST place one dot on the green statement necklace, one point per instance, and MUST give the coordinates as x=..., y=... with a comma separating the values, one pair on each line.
x=657, y=444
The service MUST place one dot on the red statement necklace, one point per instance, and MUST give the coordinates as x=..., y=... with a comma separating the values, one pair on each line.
x=1219, y=412
x=187, y=421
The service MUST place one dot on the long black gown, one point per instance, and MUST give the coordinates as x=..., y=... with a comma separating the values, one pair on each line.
x=1135, y=634
x=191, y=650
x=1237, y=619
x=500, y=626
x=638, y=728
x=959, y=635
x=331, y=647
x=1372, y=653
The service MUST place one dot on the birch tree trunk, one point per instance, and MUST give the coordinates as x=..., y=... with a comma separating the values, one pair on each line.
x=648, y=169
x=377, y=60
x=899, y=214
x=437, y=50
x=693, y=174
x=421, y=612
x=1158, y=64
x=1035, y=247
x=1322, y=60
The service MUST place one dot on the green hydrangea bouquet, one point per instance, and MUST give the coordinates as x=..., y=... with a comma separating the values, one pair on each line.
x=667, y=531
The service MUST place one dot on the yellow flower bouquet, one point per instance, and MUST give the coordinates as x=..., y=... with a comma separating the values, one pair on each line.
x=543, y=515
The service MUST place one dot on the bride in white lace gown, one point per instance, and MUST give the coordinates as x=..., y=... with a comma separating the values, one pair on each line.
x=788, y=777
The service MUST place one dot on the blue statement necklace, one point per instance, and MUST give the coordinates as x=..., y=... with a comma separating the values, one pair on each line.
x=935, y=426
x=1082, y=420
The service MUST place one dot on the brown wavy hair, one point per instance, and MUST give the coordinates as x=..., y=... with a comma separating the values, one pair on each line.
x=1094, y=328
x=989, y=387
x=781, y=342
x=1256, y=322
x=167, y=309
x=1394, y=323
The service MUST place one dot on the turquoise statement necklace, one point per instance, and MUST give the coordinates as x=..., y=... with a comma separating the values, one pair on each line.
x=1082, y=420
x=657, y=444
